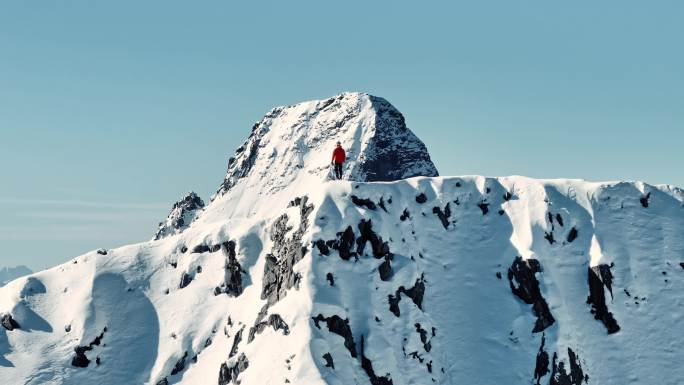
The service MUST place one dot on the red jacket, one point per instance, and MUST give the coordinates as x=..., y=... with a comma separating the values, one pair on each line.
x=339, y=155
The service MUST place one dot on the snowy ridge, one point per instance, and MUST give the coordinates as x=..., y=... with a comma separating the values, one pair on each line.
x=424, y=280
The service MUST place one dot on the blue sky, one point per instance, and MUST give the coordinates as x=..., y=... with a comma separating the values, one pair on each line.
x=109, y=111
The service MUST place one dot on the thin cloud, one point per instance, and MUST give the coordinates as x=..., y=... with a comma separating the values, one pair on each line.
x=89, y=216
x=86, y=204
x=72, y=233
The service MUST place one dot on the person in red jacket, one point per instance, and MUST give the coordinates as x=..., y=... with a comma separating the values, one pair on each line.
x=338, y=158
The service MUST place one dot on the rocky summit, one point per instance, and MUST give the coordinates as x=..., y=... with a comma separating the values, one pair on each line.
x=391, y=276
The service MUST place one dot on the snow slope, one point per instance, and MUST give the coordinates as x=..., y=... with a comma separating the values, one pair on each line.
x=287, y=277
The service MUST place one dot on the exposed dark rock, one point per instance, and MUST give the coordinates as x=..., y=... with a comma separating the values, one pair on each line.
x=645, y=200
x=163, y=381
x=559, y=375
x=549, y=237
x=559, y=219
x=98, y=339
x=572, y=235
x=328, y=361
x=405, y=215
x=681, y=264
x=398, y=153
x=80, y=360
x=180, y=365
x=498, y=275
x=542, y=366
x=279, y=275
x=185, y=280
x=524, y=284
x=236, y=342
x=330, y=279
x=340, y=327
x=598, y=277
x=507, y=196
x=382, y=204
x=345, y=244
x=427, y=345
x=484, y=207
x=262, y=314
x=232, y=281
x=368, y=368
x=102, y=251
x=182, y=214
x=421, y=198
x=274, y=320
x=416, y=356
x=8, y=322
x=443, y=215
x=229, y=374
x=241, y=164
x=416, y=294
x=323, y=249
x=201, y=249
x=385, y=269
x=380, y=248
x=367, y=203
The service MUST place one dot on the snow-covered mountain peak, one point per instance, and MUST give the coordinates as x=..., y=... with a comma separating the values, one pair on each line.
x=294, y=144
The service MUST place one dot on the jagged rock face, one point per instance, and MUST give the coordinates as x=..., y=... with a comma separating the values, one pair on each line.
x=524, y=284
x=279, y=274
x=232, y=283
x=230, y=374
x=298, y=140
x=182, y=214
x=8, y=322
x=598, y=277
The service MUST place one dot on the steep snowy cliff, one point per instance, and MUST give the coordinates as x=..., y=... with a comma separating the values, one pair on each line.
x=391, y=276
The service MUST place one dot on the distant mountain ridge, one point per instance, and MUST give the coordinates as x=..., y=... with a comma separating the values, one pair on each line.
x=9, y=273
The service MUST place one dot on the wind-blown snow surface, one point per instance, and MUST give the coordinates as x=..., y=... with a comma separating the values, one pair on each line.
x=450, y=280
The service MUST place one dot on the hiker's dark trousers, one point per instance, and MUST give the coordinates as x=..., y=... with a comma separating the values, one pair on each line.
x=338, y=170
